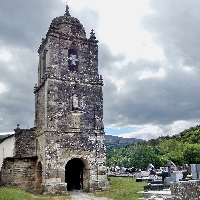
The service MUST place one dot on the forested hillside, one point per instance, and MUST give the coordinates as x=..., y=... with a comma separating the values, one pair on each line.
x=115, y=142
x=182, y=148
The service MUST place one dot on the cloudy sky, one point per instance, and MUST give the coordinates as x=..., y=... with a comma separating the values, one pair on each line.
x=149, y=56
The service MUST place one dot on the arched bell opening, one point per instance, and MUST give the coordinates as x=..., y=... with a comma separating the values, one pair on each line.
x=75, y=174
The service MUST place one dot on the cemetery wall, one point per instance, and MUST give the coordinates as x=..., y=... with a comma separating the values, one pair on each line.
x=185, y=190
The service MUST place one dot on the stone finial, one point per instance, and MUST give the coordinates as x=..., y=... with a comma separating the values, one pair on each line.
x=67, y=9
x=101, y=80
x=18, y=126
x=92, y=35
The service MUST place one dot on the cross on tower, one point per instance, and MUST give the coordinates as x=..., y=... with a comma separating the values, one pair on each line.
x=73, y=59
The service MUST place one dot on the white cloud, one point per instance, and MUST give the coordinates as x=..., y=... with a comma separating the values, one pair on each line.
x=2, y=88
x=179, y=126
x=144, y=132
x=148, y=74
x=149, y=131
x=122, y=32
x=5, y=55
x=7, y=133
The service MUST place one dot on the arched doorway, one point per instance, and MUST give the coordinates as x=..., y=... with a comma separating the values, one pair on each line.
x=74, y=174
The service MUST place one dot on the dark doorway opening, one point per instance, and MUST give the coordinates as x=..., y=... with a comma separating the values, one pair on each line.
x=74, y=174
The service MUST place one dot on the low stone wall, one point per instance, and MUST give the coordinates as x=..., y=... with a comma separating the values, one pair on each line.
x=19, y=173
x=25, y=142
x=186, y=190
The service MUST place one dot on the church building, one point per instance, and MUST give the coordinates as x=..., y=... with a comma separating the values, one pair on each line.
x=65, y=150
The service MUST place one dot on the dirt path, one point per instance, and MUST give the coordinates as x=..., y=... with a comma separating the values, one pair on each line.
x=79, y=195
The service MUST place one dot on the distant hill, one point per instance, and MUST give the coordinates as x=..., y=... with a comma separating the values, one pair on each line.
x=115, y=142
x=181, y=148
x=2, y=137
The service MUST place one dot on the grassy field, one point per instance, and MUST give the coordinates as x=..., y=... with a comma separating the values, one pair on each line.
x=120, y=188
x=123, y=188
x=15, y=194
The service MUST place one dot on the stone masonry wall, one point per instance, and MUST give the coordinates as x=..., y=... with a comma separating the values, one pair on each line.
x=40, y=106
x=185, y=190
x=86, y=116
x=62, y=147
x=25, y=143
x=19, y=173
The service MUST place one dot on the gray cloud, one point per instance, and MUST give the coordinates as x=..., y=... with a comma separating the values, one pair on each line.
x=24, y=22
x=19, y=76
x=174, y=26
x=161, y=101
x=153, y=100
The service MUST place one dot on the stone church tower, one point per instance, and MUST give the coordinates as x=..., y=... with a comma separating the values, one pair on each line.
x=66, y=148
x=70, y=144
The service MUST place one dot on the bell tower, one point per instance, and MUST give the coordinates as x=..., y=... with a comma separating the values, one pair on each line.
x=69, y=109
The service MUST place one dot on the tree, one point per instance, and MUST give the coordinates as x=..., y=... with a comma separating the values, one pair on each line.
x=191, y=153
x=139, y=156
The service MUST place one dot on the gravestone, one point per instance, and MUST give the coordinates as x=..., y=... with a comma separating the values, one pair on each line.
x=194, y=171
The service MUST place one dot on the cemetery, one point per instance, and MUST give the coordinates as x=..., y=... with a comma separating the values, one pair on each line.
x=174, y=183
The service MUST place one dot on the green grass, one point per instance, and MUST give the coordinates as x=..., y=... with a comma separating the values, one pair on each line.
x=123, y=188
x=120, y=188
x=16, y=194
